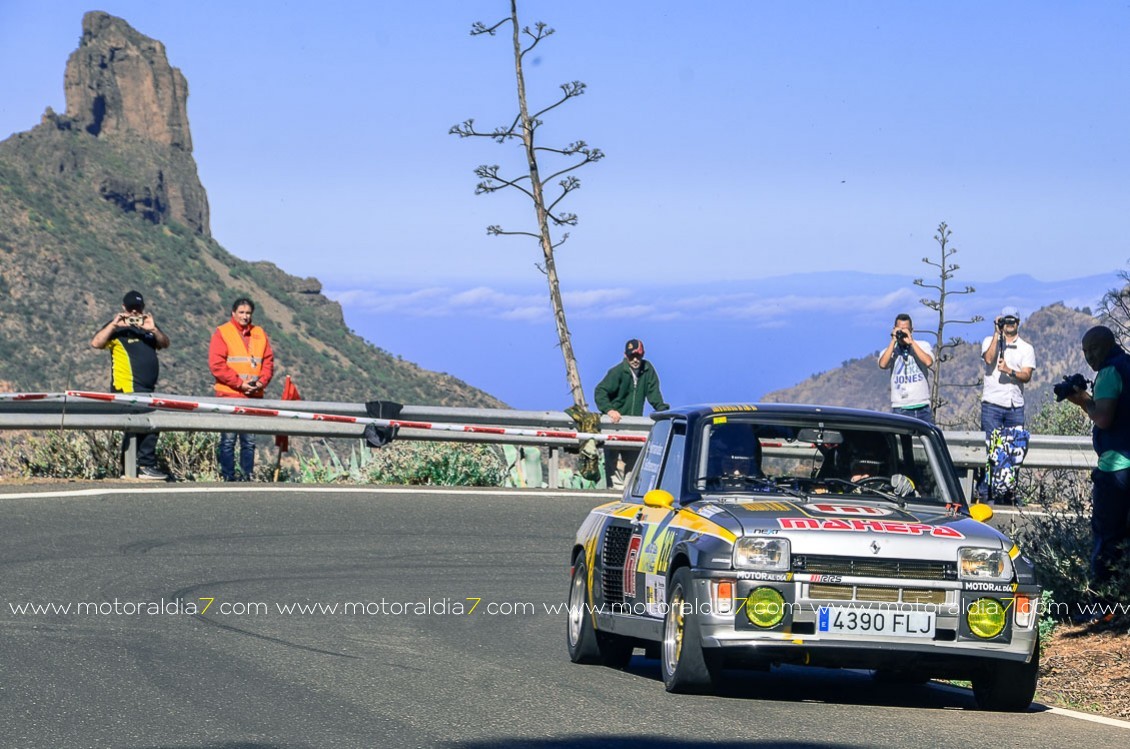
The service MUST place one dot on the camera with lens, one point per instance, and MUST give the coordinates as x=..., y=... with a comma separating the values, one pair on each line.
x=136, y=319
x=1070, y=385
x=1006, y=321
x=901, y=336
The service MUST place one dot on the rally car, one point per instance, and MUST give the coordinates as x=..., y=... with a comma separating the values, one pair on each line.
x=760, y=535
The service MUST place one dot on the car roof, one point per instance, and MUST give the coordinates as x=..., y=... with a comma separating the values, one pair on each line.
x=794, y=410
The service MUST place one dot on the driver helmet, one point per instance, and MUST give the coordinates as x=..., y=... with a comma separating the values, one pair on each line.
x=733, y=451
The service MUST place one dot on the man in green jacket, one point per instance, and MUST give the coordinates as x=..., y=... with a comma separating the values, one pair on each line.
x=622, y=392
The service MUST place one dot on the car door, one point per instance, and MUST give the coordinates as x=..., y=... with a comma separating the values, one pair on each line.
x=652, y=535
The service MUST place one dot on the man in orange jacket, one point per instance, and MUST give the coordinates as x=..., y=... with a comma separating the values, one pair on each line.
x=242, y=362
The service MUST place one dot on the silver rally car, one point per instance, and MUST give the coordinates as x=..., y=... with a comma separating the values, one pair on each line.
x=758, y=535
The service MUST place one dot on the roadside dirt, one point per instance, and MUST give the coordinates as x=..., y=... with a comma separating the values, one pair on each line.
x=1087, y=671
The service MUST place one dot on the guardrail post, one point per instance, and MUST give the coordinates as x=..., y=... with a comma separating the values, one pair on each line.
x=130, y=470
x=554, y=463
x=967, y=483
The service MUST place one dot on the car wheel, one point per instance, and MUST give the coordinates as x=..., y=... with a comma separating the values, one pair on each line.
x=684, y=666
x=586, y=644
x=1007, y=687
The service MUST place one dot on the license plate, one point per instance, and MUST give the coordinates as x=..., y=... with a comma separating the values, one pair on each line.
x=842, y=620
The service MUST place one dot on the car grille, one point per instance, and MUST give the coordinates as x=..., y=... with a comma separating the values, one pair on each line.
x=826, y=592
x=905, y=569
x=615, y=549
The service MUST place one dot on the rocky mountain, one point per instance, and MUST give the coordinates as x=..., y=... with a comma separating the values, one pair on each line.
x=105, y=198
x=1054, y=332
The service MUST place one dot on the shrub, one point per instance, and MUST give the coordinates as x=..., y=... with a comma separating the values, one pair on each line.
x=64, y=455
x=189, y=456
x=436, y=463
x=413, y=463
x=1055, y=530
x=408, y=463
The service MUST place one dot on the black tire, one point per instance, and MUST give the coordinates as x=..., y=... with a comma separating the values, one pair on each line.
x=1007, y=687
x=684, y=666
x=585, y=643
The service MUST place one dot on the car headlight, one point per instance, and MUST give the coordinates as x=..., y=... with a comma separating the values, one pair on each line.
x=984, y=564
x=987, y=617
x=762, y=554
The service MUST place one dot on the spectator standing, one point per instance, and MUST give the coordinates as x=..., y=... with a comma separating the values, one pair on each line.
x=1009, y=363
x=1109, y=411
x=133, y=339
x=908, y=359
x=242, y=362
x=622, y=392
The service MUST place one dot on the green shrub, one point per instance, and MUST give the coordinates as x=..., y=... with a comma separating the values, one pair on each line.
x=64, y=455
x=1047, y=623
x=1054, y=530
x=436, y=463
x=189, y=456
x=407, y=463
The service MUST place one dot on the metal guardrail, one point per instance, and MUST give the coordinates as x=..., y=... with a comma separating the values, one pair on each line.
x=967, y=449
x=60, y=412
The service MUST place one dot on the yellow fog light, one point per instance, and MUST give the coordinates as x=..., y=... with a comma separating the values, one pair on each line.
x=986, y=617
x=765, y=607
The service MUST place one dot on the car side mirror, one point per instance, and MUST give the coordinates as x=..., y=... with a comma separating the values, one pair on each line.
x=659, y=498
x=978, y=511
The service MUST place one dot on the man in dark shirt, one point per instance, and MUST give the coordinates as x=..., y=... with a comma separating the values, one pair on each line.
x=1108, y=407
x=622, y=392
x=133, y=339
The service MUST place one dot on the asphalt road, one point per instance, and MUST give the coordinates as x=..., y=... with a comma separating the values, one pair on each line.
x=405, y=667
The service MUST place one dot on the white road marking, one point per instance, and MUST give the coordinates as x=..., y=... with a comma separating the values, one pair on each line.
x=245, y=488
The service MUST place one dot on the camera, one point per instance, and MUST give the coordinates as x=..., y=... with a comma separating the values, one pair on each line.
x=901, y=336
x=136, y=320
x=1070, y=385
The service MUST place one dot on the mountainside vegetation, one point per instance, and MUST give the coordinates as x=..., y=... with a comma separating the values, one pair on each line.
x=105, y=199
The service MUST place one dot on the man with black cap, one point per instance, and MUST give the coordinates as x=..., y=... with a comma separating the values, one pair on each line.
x=133, y=339
x=622, y=392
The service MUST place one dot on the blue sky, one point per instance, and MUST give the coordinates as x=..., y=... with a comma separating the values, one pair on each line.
x=745, y=141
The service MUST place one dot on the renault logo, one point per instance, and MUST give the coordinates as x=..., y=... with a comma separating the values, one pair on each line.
x=874, y=547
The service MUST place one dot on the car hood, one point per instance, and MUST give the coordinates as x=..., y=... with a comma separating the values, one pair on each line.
x=842, y=526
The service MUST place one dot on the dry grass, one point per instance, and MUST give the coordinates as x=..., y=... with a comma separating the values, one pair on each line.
x=1088, y=671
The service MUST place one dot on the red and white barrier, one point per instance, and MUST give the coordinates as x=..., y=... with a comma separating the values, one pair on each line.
x=223, y=408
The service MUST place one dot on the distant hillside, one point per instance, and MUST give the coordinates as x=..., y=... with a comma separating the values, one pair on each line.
x=1054, y=331
x=105, y=199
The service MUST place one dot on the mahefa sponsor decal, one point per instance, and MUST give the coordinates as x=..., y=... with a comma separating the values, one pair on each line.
x=859, y=525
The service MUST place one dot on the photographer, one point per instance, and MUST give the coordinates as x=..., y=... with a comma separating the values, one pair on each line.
x=1109, y=410
x=908, y=360
x=1009, y=363
x=133, y=339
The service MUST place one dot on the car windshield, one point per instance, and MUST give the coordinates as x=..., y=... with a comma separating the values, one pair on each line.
x=797, y=457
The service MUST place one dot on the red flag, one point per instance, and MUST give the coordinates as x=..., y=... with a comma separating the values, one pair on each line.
x=290, y=393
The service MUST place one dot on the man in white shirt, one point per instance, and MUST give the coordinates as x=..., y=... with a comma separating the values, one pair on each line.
x=1009, y=363
x=908, y=359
